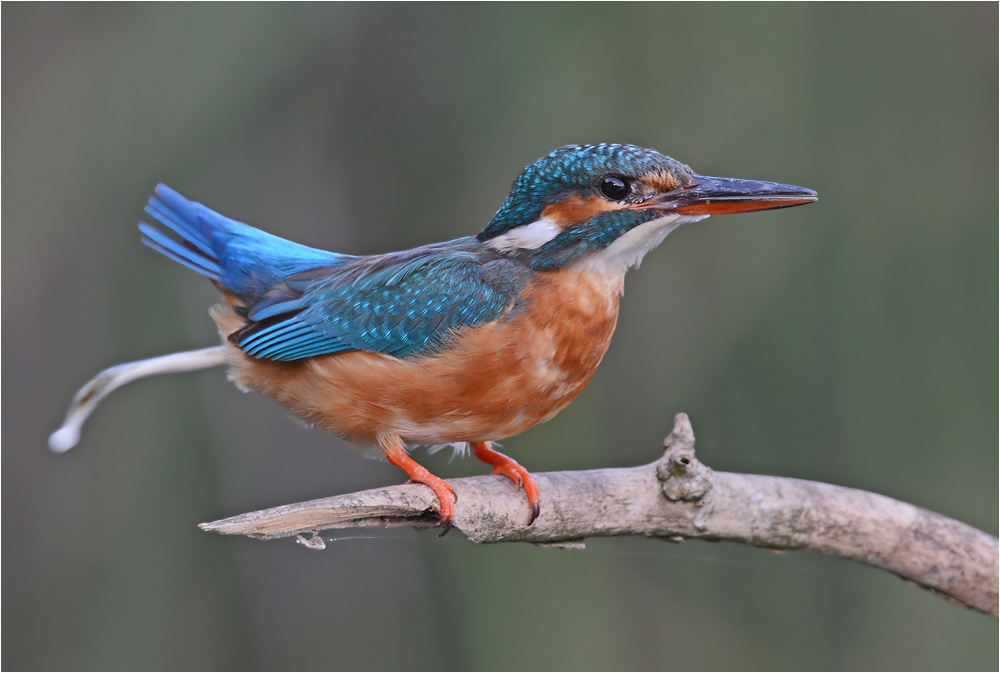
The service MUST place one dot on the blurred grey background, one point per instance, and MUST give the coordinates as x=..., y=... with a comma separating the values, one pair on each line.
x=853, y=341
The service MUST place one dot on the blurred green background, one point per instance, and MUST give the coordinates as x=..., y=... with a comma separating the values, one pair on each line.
x=853, y=341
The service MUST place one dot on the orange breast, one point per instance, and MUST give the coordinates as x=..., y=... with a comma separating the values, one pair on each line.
x=492, y=381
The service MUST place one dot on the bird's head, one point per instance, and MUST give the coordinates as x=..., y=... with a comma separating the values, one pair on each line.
x=607, y=205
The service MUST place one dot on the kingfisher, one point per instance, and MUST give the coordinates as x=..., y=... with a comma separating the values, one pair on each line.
x=464, y=342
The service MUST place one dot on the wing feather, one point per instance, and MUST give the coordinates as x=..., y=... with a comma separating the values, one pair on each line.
x=399, y=305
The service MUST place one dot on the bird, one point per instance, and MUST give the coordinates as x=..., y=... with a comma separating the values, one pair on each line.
x=465, y=342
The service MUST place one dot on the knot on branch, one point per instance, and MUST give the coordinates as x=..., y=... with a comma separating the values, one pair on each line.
x=681, y=475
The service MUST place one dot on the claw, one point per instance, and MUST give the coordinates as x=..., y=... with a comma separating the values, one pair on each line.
x=419, y=475
x=508, y=467
x=446, y=525
x=513, y=475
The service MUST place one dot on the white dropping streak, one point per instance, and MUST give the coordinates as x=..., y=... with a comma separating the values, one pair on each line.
x=629, y=248
x=529, y=237
x=87, y=399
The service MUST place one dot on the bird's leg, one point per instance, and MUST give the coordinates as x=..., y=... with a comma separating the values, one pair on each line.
x=420, y=475
x=510, y=468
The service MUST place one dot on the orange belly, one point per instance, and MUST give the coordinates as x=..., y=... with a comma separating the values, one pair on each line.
x=493, y=381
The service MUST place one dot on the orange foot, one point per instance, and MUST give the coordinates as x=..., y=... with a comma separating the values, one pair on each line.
x=510, y=468
x=419, y=475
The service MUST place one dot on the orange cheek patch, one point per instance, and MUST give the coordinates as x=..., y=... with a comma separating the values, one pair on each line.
x=577, y=210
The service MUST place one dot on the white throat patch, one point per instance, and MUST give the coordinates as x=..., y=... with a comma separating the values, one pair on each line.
x=529, y=237
x=629, y=248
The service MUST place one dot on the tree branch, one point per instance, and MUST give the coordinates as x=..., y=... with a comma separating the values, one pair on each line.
x=675, y=498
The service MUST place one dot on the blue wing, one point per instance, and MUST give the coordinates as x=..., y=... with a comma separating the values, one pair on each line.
x=398, y=304
x=301, y=302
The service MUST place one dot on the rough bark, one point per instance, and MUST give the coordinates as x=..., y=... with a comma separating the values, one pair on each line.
x=674, y=498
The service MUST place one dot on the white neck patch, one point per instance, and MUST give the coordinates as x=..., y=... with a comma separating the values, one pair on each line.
x=629, y=248
x=529, y=237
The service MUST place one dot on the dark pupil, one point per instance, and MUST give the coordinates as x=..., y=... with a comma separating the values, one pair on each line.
x=614, y=188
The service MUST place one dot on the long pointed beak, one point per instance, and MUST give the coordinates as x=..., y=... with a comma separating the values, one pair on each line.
x=721, y=196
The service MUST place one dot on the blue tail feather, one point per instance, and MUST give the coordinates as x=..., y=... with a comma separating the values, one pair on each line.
x=171, y=219
x=175, y=250
x=242, y=259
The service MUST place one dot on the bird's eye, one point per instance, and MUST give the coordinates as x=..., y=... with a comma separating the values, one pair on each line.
x=614, y=188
